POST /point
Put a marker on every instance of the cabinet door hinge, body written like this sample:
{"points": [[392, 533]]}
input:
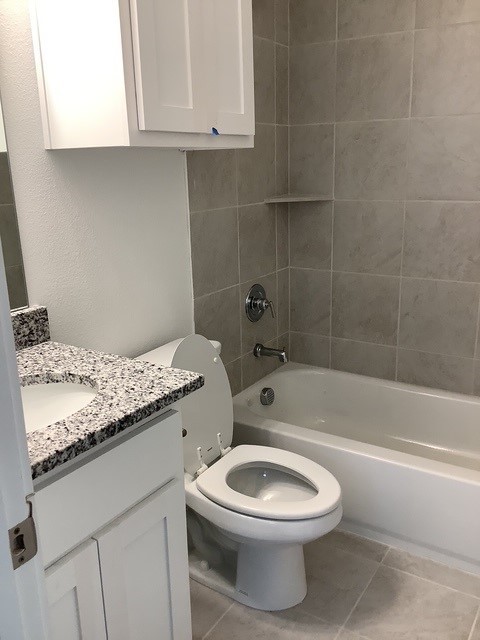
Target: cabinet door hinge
{"points": [[23, 540]]}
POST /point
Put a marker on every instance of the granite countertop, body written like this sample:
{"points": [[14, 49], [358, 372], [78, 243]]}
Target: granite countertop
{"points": [[128, 391]]}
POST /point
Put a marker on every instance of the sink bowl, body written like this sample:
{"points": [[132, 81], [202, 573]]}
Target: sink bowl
{"points": [[44, 404]]}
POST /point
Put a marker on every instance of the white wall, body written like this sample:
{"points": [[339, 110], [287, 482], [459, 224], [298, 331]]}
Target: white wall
{"points": [[104, 231]]}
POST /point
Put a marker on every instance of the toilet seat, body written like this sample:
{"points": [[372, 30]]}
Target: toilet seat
{"points": [[212, 483]]}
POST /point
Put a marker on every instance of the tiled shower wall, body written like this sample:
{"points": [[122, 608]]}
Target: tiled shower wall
{"points": [[237, 240], [385, 118], [10, 238]]}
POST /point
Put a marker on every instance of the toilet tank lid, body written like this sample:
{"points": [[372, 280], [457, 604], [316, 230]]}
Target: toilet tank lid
{"points": [[209, 411]]}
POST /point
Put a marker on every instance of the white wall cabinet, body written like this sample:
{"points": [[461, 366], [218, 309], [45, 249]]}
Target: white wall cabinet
{"points": [[160, 73], [113, 534]]}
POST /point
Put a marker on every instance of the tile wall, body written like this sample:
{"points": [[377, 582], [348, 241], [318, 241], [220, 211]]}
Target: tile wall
{"points": [[385, 117], [10, 238], [237, 240]]}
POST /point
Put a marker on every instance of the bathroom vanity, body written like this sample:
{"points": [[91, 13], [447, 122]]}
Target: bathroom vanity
{"points": [[109, 504]]}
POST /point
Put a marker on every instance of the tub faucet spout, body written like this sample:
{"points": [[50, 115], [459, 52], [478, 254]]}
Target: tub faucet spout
{"points": [[259, 351]]}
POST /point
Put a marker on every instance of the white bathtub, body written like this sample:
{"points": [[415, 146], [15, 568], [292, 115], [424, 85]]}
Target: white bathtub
{"points": [[407, 458]]}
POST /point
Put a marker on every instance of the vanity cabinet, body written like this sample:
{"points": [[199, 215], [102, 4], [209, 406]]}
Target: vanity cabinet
{"points": [[155, 73], [123, 577]]}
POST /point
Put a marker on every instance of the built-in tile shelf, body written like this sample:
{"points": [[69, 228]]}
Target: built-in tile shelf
{"points": [[295, 197]]}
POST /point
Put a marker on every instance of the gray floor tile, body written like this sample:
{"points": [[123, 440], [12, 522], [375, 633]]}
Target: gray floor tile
{"points": [[398, 606], [476, 632], [345, 634], [434, 571], [352, 543], [207, 607], [242, 623], [336, 580]]}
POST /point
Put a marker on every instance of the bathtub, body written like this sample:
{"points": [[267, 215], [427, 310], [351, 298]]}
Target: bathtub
{"points": [[407, 458]]}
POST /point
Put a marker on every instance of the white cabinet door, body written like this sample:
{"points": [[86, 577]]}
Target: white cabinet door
{"points": [[168, 41], [230, 52], [144, 565], [74, 595]]}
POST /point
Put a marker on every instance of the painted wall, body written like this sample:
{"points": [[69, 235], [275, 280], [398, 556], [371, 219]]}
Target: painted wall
{"points": [[238, 240], [104, 232], [384, 118], [3, 142]]}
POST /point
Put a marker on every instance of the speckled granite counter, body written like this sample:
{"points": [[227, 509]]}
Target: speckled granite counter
{"points": [[128, 391]]}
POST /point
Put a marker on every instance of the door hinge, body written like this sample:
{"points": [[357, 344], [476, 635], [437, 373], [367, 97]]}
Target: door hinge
{"points": [[23, 540]]}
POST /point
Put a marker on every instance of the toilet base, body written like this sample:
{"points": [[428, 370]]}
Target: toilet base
{"points": [[270, 577]]}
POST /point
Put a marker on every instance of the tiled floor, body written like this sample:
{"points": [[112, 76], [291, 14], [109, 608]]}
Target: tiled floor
{"points": [[357, 590]]}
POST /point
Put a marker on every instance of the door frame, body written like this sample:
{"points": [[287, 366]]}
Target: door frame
{"points": [[23, 610]]}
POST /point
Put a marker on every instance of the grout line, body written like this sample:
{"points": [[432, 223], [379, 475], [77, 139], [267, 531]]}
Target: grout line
{"points": [[437, 584], [325, 123], [358, 600], [220, 618]]}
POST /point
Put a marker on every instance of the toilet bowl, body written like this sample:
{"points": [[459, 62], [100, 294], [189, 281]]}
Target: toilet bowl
{"points": [[251, 508]]}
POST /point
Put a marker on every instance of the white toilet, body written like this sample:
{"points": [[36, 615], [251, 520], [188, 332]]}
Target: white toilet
{"points": [[251, 508]]}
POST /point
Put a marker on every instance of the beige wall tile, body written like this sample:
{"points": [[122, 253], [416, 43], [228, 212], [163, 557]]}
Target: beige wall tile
{"points": [[211, 179], [446, 71], [438, 317], [310, 292], [444, 158], [257, 234], [371, 160], [281, 84], [312, 21], [373, 77], [264, 85], [263, 18], [435, 370], [281, 160], [364, 358], [283, 301], [256, 167], [6, 193], [311, 159], [311, 235], [9, 236], [312, 83], [281, 21], [234, 373], [213, 270], [365, 307], [442, 240], [282, 236], [307, 348], [217, 317], [17, 289], [358, 18], [367, 237], [437, 12]]}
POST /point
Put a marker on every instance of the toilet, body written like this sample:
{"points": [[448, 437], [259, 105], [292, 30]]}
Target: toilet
{"points": [[250, 509]]}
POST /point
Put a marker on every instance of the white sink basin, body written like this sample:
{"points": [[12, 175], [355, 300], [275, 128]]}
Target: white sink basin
{"points": [[44, 404]]}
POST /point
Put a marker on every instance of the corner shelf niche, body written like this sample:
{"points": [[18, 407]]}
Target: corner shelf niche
{"points": [[294, 197]]}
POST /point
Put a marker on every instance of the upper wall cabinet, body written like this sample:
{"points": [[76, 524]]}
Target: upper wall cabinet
{"points": [[145, 73]]}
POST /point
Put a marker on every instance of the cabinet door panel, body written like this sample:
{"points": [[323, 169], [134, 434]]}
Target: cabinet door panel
{"points": [[167, 44], [144, 564], [74, 595], [232, 50]]}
